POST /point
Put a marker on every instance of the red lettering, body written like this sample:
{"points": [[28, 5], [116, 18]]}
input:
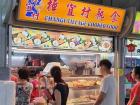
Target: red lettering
{"points": [[70, 9], [100, 14], [52, 5], [35, 16], [115, 16], [85, 12]]}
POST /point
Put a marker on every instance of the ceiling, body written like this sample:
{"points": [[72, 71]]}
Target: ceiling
{"points": [[117, 3]]}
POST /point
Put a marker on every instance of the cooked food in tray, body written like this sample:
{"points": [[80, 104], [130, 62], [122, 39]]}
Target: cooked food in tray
{"points": [[83, 83], [83, 100]]}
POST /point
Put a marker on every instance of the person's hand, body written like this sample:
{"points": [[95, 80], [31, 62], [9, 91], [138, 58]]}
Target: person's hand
{"points": [[52, 102], [39, 100], [31, 104], [128, 91], [92, 97]]}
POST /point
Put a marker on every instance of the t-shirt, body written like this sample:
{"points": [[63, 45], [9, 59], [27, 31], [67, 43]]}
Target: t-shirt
{"points": [[23, 93], [108, 87], [135, 91]]}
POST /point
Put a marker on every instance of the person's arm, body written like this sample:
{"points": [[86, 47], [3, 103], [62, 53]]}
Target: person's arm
{"points": [[135, 98], [57, 96], [130, 99], [31, 89], [133, 101], [100, 98], [129, 102], [103, 90]]}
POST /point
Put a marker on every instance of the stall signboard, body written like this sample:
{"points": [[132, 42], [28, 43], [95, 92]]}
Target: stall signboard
{"points": [[136, 28], [30, 38], [72, 13]]}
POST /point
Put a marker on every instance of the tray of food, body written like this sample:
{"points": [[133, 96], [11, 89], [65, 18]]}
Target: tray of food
{"points": [[83, 84], [82, 100]]}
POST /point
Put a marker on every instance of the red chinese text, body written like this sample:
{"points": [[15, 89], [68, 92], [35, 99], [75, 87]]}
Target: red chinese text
{"points": [[70, 9], [85, 12], [100, 14], [35, 16], [115, 16], [52, 5]]}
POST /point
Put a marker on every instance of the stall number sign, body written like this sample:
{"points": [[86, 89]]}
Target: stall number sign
{"points": [[72, 13]]}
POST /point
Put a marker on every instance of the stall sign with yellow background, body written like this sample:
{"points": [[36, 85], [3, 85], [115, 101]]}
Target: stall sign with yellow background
{"points": [[72, 13]]}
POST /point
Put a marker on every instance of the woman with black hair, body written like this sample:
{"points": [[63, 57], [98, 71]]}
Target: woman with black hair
{"points": [[23, 88], [61, 90], [135, 91]]}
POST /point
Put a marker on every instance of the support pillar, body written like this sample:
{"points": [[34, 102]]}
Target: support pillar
{"points": [[7, 88], [4, 73], [6, 7], [121, 65]]}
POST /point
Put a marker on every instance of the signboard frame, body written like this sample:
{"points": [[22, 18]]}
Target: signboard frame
{"points": [[76, 26]]}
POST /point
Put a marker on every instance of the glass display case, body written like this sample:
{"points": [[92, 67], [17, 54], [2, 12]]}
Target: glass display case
{"points": [[84, 79], [82, 90]]}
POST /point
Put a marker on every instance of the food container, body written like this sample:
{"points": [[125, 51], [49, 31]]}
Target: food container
{"points": [[36, 62]]}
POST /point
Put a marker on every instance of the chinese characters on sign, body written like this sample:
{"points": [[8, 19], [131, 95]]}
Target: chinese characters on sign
{"points": [[70, 9], [115, 16], [85, 12], [100, 14], [72, 13], [52, 5]]}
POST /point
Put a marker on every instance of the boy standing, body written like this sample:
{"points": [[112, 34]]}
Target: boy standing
{"points": [[107, 95]]}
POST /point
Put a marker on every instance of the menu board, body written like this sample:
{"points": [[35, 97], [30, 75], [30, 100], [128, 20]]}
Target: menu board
{"points": [[136, 28], [30, 38]]}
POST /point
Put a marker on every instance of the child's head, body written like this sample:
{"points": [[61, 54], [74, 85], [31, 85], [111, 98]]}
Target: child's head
{"points": [[23, 74], [105, 66], [136, 73]]}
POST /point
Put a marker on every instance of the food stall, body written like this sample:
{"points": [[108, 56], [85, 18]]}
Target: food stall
{"points": [[132, 53], [78, 61], [65, 33]]}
